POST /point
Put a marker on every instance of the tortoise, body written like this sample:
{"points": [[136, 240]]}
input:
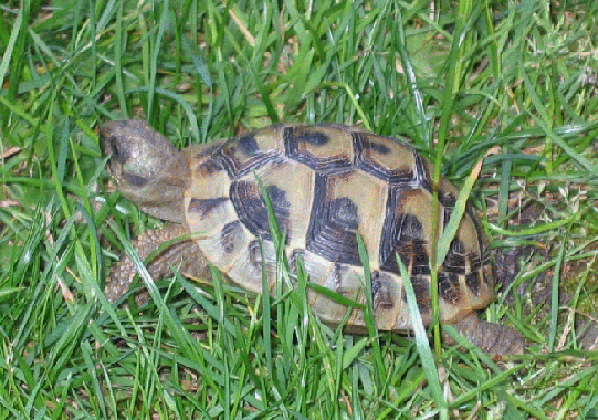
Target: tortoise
{"points": [[328, 184]]}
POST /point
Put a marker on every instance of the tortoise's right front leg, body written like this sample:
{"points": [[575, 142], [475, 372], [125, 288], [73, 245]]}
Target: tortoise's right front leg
{"points": [[184, 254]]}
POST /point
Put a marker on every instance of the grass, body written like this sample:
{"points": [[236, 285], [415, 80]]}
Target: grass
{"points": [[515, 77]]}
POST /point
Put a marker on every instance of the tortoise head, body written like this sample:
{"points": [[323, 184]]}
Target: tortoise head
{"points": [[148, 170]]}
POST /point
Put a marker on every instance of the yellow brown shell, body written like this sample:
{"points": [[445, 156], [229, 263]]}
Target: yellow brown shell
{"points": [[329, 184]]}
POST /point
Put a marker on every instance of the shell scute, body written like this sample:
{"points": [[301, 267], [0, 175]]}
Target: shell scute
{"points": [[290, 190], [247, 198], [241, 155], [320, 147], [346, 203], [390, 160]]}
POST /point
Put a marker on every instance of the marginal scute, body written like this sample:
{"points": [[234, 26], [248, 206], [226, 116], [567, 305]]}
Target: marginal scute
{"points": [[403, 235], [261, 254], [449, 288], [228, 235], [296, 257], [455, 260], [389, 160], [384, 291]]}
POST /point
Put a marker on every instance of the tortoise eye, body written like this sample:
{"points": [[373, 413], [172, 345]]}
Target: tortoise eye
{"points": [[134, 180]]}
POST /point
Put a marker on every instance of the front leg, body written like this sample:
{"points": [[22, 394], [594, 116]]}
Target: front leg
{"points": [[184, 254]]}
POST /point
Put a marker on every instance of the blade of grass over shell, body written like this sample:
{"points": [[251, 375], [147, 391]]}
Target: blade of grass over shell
{"points": [[369, 315], [279, 241], [421, 340], [449, 232]]}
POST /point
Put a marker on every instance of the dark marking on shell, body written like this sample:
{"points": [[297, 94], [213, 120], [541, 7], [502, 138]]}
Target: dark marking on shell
{"points": [[379, 148], [448, 287], [474, 282], [234, 157], [298, 142], [421, 289], [402, 234], [248, 145], [247, 199], [454, 261], [447, 199], [344, 214], [278, 197], [208, 168], [206, 205], [315, 139], [333, 225], [228, 234], [365, 159], [255, 254]]}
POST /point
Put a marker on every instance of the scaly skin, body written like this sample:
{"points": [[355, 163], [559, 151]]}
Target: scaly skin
{"points": [[184, 255]]}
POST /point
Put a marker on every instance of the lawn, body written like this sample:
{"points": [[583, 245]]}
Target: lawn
{"points": [[515, 82]]}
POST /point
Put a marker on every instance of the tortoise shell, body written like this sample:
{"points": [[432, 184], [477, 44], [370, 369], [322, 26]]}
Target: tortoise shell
{"points": [[329, 184]]}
